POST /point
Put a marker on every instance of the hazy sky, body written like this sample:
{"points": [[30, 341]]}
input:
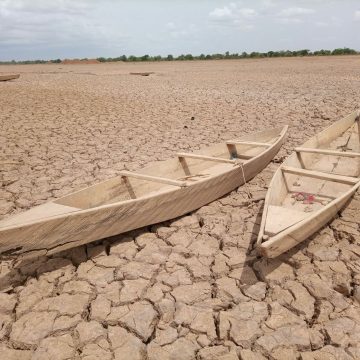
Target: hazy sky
{"points": [[31, 29]]}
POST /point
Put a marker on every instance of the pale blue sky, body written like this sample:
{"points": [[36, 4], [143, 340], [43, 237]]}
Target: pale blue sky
{"points": [[31, 29]]}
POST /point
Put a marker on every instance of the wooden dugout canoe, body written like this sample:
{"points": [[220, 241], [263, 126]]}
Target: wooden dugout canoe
{"points": [[158, 192], [311, 187], [9, 77]]}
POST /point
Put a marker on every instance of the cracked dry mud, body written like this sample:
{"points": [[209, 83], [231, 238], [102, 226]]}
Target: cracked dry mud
{"points": [[191, 288]]}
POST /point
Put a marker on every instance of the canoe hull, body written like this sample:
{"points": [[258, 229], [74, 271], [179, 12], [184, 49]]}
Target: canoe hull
{"points": [[272, 244], [9, 77], [64, 232]]}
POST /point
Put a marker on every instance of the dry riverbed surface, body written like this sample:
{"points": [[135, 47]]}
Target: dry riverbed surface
{"points": [[191, 288]]}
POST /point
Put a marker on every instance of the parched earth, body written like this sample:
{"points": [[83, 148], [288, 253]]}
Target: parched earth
{"points": [[194, 287]]}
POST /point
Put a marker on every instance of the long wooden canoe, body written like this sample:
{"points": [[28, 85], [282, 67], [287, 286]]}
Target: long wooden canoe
{"points": [[158, 192], [9, 77], [311, 187]]}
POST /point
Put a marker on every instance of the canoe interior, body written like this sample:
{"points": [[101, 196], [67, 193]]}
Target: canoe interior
{"points": [[119, 189], [287, 205]]}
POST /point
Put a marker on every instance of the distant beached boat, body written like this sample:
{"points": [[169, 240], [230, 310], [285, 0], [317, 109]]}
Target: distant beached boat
{"points": [[9, 77], [311, 187], [142, 73], [156, 193]]}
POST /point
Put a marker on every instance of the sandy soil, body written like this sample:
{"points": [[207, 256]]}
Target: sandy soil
{"points": [[192, 288]]}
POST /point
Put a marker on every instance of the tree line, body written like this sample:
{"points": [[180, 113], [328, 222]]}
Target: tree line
{"points": [[227, 55]]}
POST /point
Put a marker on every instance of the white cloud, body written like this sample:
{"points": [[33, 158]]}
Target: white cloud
{"points": [[357, 15], [234, 15], [56, 23], [170, 25], [293, 15], [295, 11], [221, 13], [232, 12]]}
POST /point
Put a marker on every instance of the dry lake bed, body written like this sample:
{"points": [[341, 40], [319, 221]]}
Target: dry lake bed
{"points": [[191, 288]]}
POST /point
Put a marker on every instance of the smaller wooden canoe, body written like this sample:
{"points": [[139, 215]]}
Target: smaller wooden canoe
{"points": [[9, 77], [311, 187]]}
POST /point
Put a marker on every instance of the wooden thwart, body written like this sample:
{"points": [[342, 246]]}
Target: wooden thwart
{"points": [[327, 152], [320, 175], [249, 143], [204, 157], [153, 178]]}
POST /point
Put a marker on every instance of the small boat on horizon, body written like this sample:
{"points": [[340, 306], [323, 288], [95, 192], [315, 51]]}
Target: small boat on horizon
{"points": [[147, 73], [161, 191], [311, 187], [9, 77]]}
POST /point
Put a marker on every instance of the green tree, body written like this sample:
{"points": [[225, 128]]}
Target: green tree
{"points": [[256, 55], [304, 52], [343, 51]]}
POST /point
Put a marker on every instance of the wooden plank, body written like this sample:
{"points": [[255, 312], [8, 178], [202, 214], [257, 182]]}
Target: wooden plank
{"points": [[327, 152], [153, 178], [280, 218], [204, 157], [249, 143], [320, 175]]}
